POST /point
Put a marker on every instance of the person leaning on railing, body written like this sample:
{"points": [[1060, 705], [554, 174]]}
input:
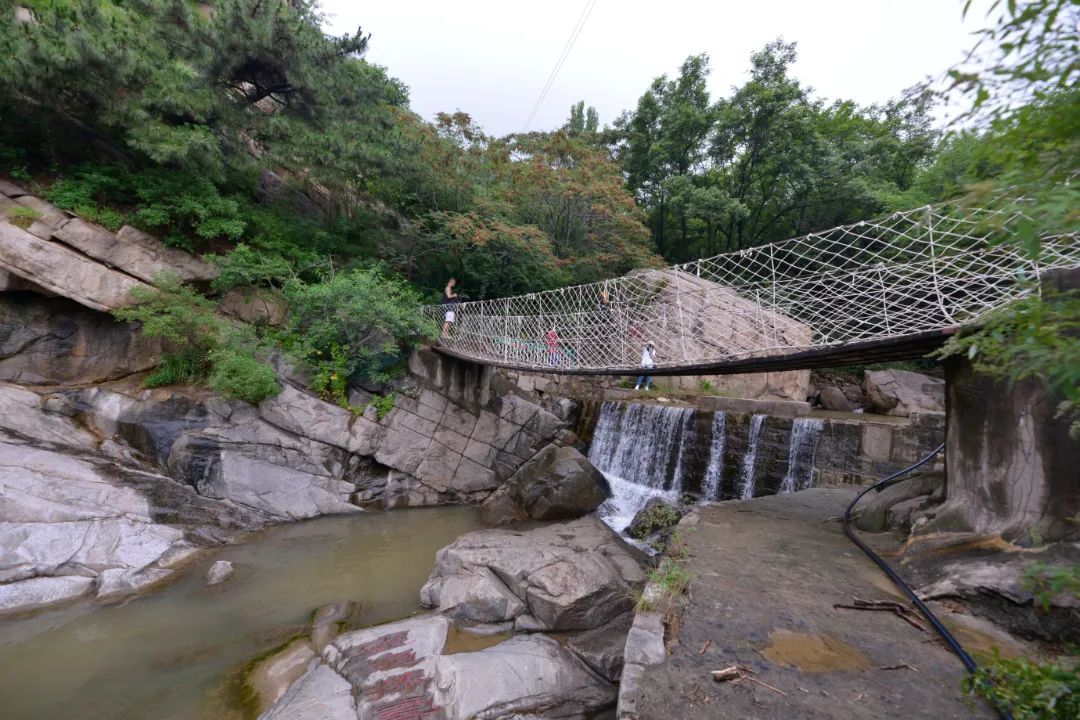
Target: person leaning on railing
{"points": [[450, 302]]}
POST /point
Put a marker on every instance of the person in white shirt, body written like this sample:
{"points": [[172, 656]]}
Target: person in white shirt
{"points": [[648, 360]]}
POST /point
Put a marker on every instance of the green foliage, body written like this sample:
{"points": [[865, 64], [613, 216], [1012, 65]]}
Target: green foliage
{"points": [[21, 216], [177, 314], [654, 519], [244, 266], [237, 374], [1047, 581], [666, 583], [1029, 690], [185, 209], [195, 86], [355, 324], [181, 208], [767, 163], [383, 404], [177, 368], [199, 344], [1037, 337]]}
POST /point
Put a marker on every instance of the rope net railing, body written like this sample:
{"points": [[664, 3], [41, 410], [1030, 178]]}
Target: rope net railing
{"points": [[920, 270]]}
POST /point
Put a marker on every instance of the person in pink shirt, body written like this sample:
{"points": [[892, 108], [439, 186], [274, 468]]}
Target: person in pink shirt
{"points": [[552, 339]]}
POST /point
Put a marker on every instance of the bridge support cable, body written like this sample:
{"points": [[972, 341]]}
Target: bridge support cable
{"points": [[883, 281]]}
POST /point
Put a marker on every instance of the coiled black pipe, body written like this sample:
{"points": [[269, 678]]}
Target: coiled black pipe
{"points": [[947, 636]]}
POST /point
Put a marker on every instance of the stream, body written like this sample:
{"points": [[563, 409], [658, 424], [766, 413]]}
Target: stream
{"points": [[165, 655]]}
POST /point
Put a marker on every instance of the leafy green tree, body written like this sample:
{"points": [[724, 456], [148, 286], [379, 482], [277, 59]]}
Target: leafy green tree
{"points": [[768, 162], [209, 87], [352, 326], [582, 120], [665, 137]]}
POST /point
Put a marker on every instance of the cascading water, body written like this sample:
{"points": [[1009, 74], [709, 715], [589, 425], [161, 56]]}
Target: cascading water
{"points": [[747, 486], [804, 439], [710, 487], [640, 449]]}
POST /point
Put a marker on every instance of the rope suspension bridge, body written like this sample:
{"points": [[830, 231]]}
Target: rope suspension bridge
{"points": [[887, 289]]}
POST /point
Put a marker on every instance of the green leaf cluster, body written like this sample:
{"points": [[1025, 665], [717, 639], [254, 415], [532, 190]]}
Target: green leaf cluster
{"points": [[768, 162], [353, 325], [199, 344], [1029, 690], [1038, 338]]}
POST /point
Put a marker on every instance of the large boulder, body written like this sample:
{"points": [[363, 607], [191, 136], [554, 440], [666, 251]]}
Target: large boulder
{"points": [[133, 251], [405, 670], [320, 694], [55, 341], [530, 675], [63, 271], [559, 483], [832, 398], [658, 516], [574, 576], [63, 516], [901, 392]]}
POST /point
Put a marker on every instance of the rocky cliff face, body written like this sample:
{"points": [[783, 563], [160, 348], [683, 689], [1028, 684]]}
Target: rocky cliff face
{"points": [[108, 487]]}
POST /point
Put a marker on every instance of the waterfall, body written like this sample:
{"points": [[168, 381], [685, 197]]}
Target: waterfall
{"points": [[803, 448], [640, 449], [710, 486], [747, 491]]}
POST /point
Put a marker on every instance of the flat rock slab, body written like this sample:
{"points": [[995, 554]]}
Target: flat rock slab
{"points": [[766, 574]]}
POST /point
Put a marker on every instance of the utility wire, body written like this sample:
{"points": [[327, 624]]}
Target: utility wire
{"points": [[578, 27]]}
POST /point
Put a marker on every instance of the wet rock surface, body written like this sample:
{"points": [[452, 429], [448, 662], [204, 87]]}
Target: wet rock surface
{"points": [[67, 529], [571, 576], [199, 469], [732, 617], [558, 483]]}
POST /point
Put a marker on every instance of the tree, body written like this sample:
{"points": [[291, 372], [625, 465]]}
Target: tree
{"points": [[210, 88], [767, 163], [665, 137], [582, 120]]}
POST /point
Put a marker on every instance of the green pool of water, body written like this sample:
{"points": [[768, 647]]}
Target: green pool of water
{"points": [[164, 656]]}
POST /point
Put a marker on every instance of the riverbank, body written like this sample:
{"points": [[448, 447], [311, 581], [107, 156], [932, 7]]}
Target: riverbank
{"points": [[166, 654], [766, 577]]}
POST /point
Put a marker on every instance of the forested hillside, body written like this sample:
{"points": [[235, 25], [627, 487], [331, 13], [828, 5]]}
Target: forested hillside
{"points": [[239, 129]]}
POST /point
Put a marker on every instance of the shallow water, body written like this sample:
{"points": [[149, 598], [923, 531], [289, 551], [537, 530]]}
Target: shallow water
{"points": [[162, 656]]}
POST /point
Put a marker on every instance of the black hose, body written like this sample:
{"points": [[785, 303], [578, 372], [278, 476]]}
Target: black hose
{"points": [[947, 636]]}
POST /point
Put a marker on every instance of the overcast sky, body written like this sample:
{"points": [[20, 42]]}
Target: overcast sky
{"points": [[492, 58]]}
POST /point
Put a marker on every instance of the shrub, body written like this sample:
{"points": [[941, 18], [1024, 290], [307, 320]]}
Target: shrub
{"points": [[236, 374], [177, 368], [1046, 581], [383, 404], [353, 325], [247, 266], [199, 343], [177, 314], [1029, 690]]}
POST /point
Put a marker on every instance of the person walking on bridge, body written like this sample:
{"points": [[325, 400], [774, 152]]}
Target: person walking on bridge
{"points": [[648, 360], [450, 302], [552, 339]]}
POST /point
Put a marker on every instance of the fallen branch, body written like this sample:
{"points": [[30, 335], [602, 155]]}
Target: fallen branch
{"points": [[901, 611], [735, 674], [704, 647], [899, 666]]}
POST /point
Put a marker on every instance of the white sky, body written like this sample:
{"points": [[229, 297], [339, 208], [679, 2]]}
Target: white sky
{"points": [[492, 58]]}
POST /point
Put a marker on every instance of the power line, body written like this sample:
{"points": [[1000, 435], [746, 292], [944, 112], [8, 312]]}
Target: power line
{"points": [[578, 27]]}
